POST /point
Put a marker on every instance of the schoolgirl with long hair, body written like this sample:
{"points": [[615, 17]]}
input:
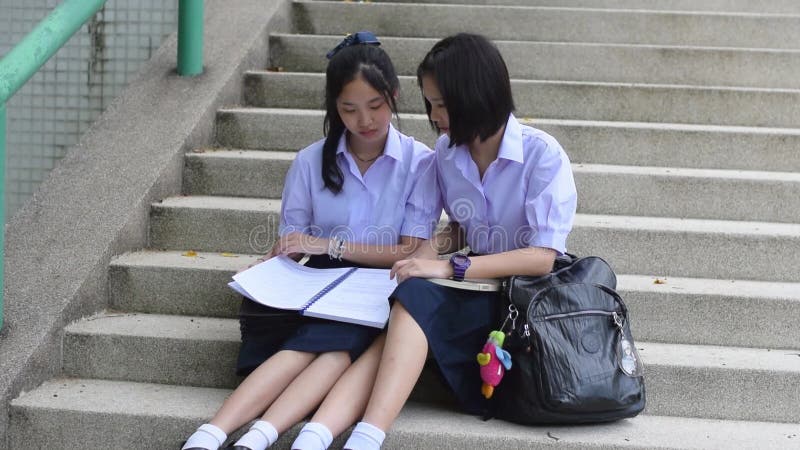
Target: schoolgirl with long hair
{"points": [[359, 197]]}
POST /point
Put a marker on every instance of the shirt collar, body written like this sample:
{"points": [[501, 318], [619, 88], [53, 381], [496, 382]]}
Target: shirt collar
{"points": [[392, 148], [510, 146]]}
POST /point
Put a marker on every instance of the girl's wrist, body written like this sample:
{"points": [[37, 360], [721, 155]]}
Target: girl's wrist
{"points": [[336, 246]]}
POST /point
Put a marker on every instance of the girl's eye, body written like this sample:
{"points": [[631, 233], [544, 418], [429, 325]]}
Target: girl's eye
{"points": [[349, 111]]}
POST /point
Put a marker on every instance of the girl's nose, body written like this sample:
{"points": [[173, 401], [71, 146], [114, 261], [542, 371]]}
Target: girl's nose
{"points": [[364, 119]]}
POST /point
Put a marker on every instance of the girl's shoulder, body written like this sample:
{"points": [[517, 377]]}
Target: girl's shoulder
{"points": [[538, 142], [411, 148], [311, 154]]}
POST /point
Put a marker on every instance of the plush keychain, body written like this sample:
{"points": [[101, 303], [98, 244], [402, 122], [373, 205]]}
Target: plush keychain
{"points": [[494, 362]]}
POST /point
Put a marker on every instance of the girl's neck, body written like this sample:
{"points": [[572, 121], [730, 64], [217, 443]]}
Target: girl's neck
{"points": [[365, 151], [484, 152]]}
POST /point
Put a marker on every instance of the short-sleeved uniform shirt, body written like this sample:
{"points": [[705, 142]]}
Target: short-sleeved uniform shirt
{"points": [[527, 196], [397, 196]]}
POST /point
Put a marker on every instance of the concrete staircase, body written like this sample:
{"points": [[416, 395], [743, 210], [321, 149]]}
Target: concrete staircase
{"points": [[683, 128]]}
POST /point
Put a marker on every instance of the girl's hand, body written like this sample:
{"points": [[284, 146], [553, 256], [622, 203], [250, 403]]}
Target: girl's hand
{"points": [[258, 261], [297, 242], [424, 251], [420, 268]]}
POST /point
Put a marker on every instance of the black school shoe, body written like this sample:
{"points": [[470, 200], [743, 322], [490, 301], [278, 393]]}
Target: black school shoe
{"points": [[192, 448], [237, 447]]}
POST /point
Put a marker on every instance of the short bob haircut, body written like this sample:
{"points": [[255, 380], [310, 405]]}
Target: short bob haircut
{"points": [[475, 86], [374, 66]]}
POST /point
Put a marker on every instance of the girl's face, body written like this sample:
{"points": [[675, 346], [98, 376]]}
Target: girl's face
{"points": [[364, 111], [430, 90]]}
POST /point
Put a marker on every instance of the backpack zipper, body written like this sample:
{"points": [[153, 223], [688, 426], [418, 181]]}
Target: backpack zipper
{"points": [[587, 312]]}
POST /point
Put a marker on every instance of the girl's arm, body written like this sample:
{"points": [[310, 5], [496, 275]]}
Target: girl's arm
{"points": [[381, 255], [522, 261], [368, 255]]}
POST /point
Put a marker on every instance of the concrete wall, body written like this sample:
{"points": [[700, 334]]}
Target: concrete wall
{"points": [[96, 202]]}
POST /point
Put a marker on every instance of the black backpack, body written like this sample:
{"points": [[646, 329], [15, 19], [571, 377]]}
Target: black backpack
{"points": [[572, 352]]}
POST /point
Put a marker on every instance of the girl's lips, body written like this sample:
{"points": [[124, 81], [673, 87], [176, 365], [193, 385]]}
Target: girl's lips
{"points": [[369, 133]]}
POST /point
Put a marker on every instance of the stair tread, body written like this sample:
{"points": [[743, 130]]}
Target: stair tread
{"points": [[670, 172], [390, 38], [667, 224], [202, 328], [627, 282], [417, 420], [545, 121]]}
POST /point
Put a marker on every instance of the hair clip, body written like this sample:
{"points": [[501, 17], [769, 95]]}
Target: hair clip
{"points": [[361, 37]]}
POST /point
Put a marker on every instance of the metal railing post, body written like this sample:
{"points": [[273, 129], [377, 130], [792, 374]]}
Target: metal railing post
{"points": [[190, 37], [2, 202]]}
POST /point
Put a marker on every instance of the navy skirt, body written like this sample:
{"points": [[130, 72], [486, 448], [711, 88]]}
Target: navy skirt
{"points": [[266, 331], [456, 323]]}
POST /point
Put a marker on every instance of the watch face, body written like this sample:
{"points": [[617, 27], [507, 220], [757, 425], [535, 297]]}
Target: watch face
{"points": [[460, 259]]}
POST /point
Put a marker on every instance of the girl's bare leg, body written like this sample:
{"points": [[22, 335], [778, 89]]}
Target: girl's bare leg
{"points": [[307, 390], [404, 355], [261, 388], [346, 402]]}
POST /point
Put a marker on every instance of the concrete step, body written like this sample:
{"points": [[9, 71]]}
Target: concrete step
{"points": [[643, 245], [688, 193], [604, 189], [551, 24], [691, 247], [245, 173], [678, 310], [572, 100], [125, 415], [772, 6], [177, 282], [569, 61], [682, 380], [717, 312], [224, 224], [167, 349], [595, 142]]}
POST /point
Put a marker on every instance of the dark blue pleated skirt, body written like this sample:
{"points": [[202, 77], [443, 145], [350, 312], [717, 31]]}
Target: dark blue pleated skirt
{"points": [[456, 323], [266, 330]]}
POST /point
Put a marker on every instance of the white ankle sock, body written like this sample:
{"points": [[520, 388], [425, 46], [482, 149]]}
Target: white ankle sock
{"points": [[207, 436], [261, 435], [365, 437], [313, 436]]}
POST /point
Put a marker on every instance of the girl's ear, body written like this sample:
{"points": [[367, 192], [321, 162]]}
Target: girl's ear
{"points": [[395, 94]]}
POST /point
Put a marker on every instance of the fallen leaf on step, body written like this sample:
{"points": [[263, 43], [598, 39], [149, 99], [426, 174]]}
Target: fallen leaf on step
{"points": [[660, 281], [190, 253], [275, 69], [229, 255]]}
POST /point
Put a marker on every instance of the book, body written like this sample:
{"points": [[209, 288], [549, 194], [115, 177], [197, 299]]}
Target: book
{"points": [[351, 294], [470, 284]]}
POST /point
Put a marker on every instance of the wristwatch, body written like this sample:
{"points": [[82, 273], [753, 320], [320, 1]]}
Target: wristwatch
{"points": [[460, 263]]}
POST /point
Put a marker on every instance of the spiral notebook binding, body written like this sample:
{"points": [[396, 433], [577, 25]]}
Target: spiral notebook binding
{"points": [[326, 289]]}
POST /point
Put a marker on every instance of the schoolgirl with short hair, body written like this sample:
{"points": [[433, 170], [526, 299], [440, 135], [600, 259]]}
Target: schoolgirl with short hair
{"points": [[359, 197], [510, 196]]}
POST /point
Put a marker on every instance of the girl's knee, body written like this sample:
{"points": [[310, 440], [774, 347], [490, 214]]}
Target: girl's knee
{"points": [[339, 359]]}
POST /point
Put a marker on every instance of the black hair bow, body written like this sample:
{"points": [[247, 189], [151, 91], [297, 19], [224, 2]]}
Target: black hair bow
{"points": [[361, 37]]}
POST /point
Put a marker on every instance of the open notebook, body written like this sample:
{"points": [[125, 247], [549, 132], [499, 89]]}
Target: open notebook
{"points": [[354, 295]]}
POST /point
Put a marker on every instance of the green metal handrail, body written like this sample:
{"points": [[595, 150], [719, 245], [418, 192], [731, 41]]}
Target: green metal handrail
{"points": [[27, 57]]}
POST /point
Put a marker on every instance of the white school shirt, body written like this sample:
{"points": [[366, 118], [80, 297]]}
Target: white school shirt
{"points": [[526, 198], [397, 196]]}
